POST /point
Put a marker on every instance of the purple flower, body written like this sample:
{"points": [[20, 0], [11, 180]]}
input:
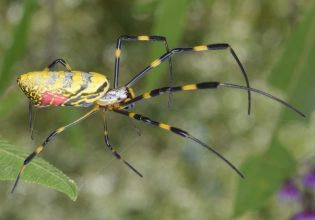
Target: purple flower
{"points": [[305, 215], [309, 179], [289, 192]]}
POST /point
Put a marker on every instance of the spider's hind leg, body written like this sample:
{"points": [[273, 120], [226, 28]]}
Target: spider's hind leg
{"points": [[58, 61], [49, 138]]}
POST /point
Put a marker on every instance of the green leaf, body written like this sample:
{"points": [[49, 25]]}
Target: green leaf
{"points": [[14, 53], [294, 74], [170, 22], [38, 171], [264, 175]]}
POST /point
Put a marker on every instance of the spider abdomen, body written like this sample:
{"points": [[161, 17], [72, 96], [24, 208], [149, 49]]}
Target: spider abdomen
{"points": [[63, 88]]}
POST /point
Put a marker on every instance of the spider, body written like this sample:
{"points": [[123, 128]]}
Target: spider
{"points": [[90, 89]]}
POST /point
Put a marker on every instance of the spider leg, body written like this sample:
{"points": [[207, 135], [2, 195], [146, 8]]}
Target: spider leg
{"points": [[138, 38], [31, 119], [206, 85], [50, 137], [179, 132], [209, 47], [113, 150], [58, 61], [142, 38]]}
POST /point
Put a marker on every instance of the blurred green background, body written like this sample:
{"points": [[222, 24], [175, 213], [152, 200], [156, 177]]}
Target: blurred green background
{"points": [[275, 41]]}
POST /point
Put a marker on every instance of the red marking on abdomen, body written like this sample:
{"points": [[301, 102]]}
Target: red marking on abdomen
{"points": [[52, 99]]}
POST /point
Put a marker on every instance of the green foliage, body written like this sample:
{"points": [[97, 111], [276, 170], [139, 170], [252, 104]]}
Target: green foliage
{"points": [[295, 75], [295, 72], [38, 171], [17, 48], [264, 175]]}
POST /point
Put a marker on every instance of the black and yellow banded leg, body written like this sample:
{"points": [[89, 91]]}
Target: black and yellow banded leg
{"points": [[179, 132], [50, 137], [138, 38], [205, 85], [113, 150], [165, 90], [58, 61], [209, 47]]}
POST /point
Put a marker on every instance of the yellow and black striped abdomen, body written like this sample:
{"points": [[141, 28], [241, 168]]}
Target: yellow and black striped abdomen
{"points": [[61, 88]]}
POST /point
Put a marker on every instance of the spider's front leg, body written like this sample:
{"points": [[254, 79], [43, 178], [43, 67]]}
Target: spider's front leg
{"points": [[141, 38], [209, 47]]}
